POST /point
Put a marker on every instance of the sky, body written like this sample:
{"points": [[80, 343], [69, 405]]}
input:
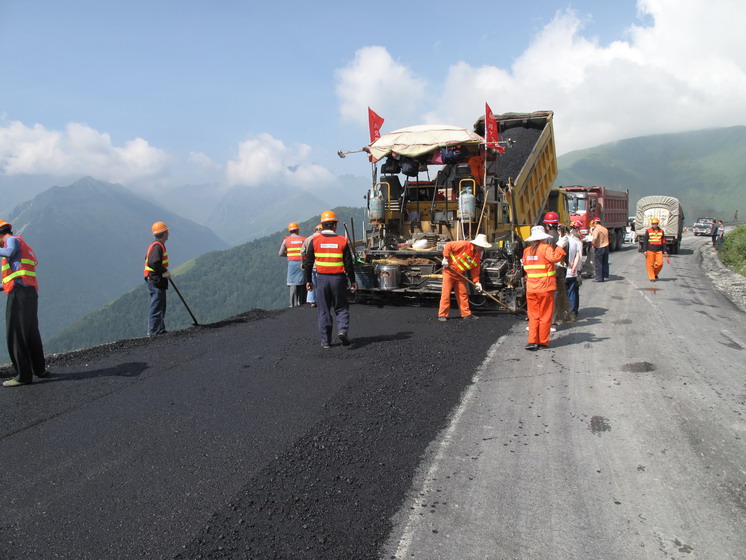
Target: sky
{"points": [[157, 94]]}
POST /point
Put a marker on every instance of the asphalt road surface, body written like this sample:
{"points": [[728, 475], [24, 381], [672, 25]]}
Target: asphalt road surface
{"points": [[420, 440]]}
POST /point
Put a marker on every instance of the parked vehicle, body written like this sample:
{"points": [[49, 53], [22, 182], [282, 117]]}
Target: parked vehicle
{"points": [[670, 214], [612, 207], [702, 226]]}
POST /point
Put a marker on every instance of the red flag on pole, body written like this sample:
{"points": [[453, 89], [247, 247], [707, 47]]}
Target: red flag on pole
{"points": [[374, 124], [490, 130]]}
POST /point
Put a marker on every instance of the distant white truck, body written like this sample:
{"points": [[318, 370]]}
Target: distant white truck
{"points": [[670, 216]]}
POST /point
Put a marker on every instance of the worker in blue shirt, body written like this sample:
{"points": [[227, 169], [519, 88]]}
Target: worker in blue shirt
{"points": [[21, 320]]}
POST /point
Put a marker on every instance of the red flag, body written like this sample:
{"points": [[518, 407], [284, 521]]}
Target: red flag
{"points": [[490, 130], [374, 124]]}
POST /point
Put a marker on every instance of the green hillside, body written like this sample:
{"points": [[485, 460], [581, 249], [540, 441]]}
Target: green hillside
{"points": [[216, 286], [706, 169]]}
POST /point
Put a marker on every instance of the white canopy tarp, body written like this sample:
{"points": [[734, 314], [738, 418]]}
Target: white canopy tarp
{"points": [[421, 139]]}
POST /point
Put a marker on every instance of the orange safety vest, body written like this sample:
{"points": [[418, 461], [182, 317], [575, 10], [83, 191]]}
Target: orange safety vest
{"points": [[463, 256], [293, 244], [26, 271], [164, 262], [329, 254], [655, 237], [539, 267]]}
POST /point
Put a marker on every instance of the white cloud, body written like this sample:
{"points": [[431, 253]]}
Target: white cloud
{"points": [[77, 150], [374, 79], [265, 159], [686, 70]]}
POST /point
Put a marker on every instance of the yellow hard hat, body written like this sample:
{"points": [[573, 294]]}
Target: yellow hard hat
{"points": [[319, 227], [159, 227], [292, 226], [654, 221], [328, 216]]}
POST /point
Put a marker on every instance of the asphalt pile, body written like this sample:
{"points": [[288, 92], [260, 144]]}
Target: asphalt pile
{"points": [[251, 476], [333, 492]]}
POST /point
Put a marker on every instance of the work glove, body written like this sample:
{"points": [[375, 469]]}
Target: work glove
{"points": [[166, 275], [478, 286], [563, 242], [445, 262]]}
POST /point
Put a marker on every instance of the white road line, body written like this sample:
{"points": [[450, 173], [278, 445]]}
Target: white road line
{"points": [[405, 541]]}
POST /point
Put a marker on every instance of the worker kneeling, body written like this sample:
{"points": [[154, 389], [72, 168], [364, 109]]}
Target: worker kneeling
{"points": [[459, 259], [538, 262]]}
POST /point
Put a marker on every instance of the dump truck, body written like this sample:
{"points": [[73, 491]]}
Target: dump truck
{"points": [[610, 206], [434, 183], [670, 214]]}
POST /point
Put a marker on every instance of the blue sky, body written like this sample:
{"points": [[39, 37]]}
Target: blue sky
{"points": [[157, 93]]}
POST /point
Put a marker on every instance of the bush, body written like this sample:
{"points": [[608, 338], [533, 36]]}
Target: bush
{"points": [[733, 253]]}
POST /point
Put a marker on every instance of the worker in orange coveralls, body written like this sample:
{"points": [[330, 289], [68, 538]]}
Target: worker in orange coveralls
{"points": [[461, 258], [654, 247], [538, 262]]}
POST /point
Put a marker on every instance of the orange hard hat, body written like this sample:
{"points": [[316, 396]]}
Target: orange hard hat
{"points": [[328, 216], [4, 224], [551, 218], [654, 221], [292, 226], [159, 227]]}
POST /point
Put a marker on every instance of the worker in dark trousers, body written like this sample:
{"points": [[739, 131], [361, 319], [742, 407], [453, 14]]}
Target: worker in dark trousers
{"points": [[334, 269], [600, 242], [156, 276], [21, 319]]}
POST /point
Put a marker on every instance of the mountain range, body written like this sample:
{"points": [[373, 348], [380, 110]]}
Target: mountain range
{"points": [[215, 286], [705, 170], [90, 238]]}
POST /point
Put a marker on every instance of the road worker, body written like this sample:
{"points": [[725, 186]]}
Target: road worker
{"points": [[21, 312], [600, 243], [461, 258], [156, 277], [310, 296], [290, 248], [654, 248], [538, 262], [561, 312], [574, 266], [335, 270]]}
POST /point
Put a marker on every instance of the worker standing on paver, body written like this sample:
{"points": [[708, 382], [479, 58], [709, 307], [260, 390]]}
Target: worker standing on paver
{"points": [[600, 243], [290, 248], [538, 262], [654, 248], [335, 268], [459, 259], [156, 277], [310, 296], [21, 311]]}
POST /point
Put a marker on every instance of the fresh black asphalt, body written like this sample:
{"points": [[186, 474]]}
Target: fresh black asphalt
{"points": [[243, 439]]}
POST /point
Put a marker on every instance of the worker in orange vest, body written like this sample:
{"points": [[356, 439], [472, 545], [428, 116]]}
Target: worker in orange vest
{"points": [[461, 258], [21, 317], [290, 248], [156, 276], [538, 263], [335, 270], [654, 248]]}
